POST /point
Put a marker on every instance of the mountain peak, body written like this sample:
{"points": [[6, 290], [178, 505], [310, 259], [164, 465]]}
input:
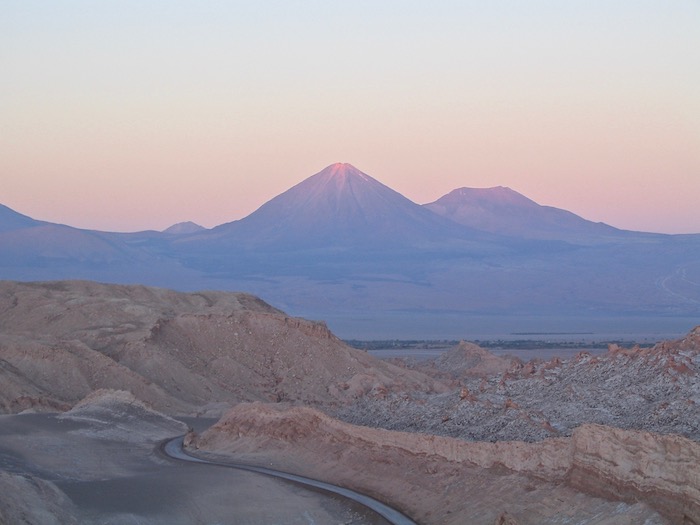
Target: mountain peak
{"points": [[342, 171], [504, 211], [184, 228], [341, 205], [497, 195], [342, 167]]}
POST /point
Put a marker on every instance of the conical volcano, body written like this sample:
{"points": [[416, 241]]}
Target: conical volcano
{"points": [[340, 206]]}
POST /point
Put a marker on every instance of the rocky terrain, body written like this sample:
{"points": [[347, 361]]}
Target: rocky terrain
{"points": [[537, 442], [181, 353], [654, 389], [469, 437], [469, 360], [117, 415]]}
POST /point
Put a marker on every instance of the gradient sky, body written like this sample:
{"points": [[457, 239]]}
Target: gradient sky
{"points": [[125, 115]]}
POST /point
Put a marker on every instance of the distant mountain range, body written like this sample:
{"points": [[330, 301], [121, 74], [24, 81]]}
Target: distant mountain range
{"points": [[342, 246]]}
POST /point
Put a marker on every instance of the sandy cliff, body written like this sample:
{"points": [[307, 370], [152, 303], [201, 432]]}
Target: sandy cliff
{"points": [[662, 470], [600, 475]]}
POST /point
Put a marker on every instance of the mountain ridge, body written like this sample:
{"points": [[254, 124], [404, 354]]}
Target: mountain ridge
{"points": [[12, 220], [345, 177], [344, 247]]}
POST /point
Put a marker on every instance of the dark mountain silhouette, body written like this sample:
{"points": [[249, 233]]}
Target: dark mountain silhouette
{"points": [[507, 212]]}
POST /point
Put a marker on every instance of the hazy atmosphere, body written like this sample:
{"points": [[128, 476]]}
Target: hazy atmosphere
{"points": [[126, 116], [370, 263]]}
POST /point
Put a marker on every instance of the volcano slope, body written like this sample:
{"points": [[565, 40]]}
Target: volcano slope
{"points": [[182, 353]]}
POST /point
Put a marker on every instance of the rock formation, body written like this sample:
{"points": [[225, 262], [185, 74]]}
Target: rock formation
{"points": [[655, 389], [470, 360], [181, 353]]}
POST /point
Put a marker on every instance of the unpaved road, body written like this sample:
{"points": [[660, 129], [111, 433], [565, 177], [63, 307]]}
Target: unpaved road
{"points": [[174, 449], [116, 482]]}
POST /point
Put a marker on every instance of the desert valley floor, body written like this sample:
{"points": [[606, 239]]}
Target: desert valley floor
{"points": [[94, 377]]}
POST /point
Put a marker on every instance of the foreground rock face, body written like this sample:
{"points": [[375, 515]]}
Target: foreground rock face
{"points": [[663, 471], [444, 480], [181, 353]]}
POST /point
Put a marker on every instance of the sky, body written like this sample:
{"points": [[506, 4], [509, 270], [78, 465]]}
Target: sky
{"points": [[128, 115]]}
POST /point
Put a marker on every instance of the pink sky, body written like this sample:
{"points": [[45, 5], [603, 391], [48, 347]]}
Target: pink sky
{"points": [[124, 117]]}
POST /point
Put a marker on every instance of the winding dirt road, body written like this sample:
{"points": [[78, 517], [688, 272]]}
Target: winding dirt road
{"points": [[173, 449]]}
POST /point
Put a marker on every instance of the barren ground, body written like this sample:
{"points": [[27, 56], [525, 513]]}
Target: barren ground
{"points": [[468, 438], [104, 469]]}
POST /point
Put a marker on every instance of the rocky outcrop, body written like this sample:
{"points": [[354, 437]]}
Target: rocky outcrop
{"points": [[656, 389], [546, 481], [301, 424], [312, 328], [118, 415], [470, 360]]}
